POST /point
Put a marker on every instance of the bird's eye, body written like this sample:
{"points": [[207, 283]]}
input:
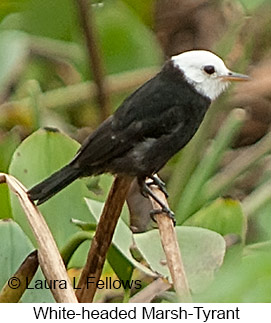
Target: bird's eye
{"points": [[209, 69]]}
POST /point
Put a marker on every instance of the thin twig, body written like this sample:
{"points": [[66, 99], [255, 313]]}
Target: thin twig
{"points": [[94, 54], [49, 258], [24, 275], [55, 49], [102, 239], [172, 251], [147, 294], [139, 207]]}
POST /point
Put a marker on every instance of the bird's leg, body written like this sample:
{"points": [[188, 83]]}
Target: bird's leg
{"points": [[146, 192], [158, 182], [166, 210]]}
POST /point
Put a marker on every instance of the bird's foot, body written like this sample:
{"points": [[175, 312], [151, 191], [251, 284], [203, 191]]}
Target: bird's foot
{"points": [[147, 192], [165, 210], [158, 182], [144, 190]]}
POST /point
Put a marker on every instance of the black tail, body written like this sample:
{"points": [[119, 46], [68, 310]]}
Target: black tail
{"points": [[53, 184]]}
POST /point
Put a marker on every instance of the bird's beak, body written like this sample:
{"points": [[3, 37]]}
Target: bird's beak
{"points": [[236, 77]]}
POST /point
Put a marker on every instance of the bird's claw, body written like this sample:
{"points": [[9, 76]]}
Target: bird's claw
{"points": [[147, 192], [165, 210], [144, 192], [158, 182]]}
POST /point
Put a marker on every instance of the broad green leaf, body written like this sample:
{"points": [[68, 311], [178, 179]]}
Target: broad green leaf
{"points": [[14, 249], [224, 216], [119, 255], [40, 155], [202, 252]]}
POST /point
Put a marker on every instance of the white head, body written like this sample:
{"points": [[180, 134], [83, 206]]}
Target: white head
{"points": [[206, 72]]}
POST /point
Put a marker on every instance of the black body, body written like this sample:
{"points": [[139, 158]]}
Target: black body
{"points": [[150, 126]]}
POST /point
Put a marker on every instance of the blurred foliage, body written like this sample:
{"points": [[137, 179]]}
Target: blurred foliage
{"points": [[8, 144], [13, 251], [245, 281], [250, 5], [202, 252], [7, 7], [43, 55], [224, 216], [127, 43], [56, 150]]}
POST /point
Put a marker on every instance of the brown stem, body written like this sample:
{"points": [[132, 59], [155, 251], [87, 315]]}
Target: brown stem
{"points": [[172, 251], [94, 53], [102, 239], [50, 260], [139, 207], [147, 294], [24, 275]]}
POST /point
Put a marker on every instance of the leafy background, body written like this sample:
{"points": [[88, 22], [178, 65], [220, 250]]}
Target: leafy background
{"points": [[219, 185]]}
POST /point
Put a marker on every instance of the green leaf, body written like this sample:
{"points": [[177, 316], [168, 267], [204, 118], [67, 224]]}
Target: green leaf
{"points": [[68, 251], [261, 222], [144, 9], [5, 209], [99, 186], [192, 198], [202, 252], [127, 43], [14, 248], [85, 226], [33, 295], [7, 146], [24, 275], [119, 255], [79, 257], [54, 19], [36, 158], [248, 281], [7, 7], [255, 248], [224, 216], [13, 52]]}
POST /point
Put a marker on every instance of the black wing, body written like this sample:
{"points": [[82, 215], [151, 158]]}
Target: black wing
{"points": [[154, 110]]}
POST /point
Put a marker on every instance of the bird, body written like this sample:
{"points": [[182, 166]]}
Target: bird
{"points": [[149, 127]]}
